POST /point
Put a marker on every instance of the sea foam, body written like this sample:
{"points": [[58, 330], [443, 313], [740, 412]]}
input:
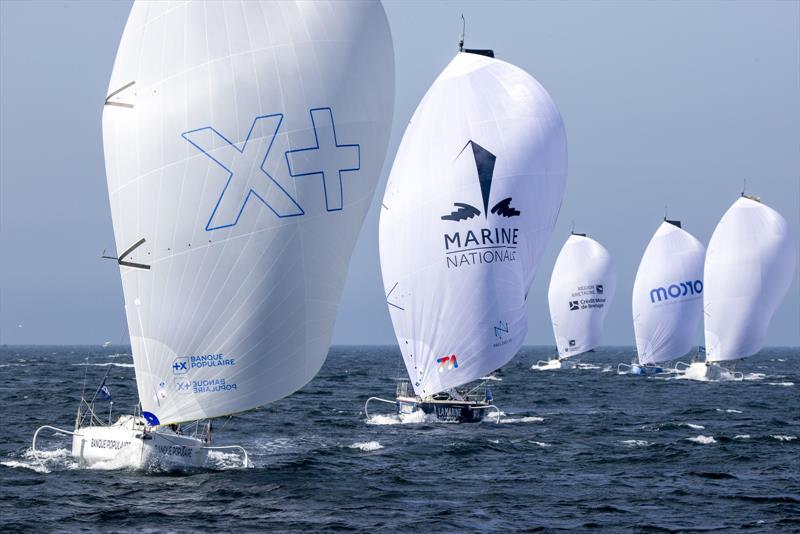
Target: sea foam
{"points": [[703, 440]]}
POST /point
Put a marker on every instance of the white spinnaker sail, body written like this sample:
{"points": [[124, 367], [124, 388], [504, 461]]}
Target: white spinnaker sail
{"points": [[668, 295], [472, 198], [748, 270], [243, 142], [582, 288]]}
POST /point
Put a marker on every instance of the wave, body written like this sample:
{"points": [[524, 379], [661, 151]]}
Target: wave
{"points": [[540, 444], [526, 419], [741, 436], [703, 440], [366, 446], [221, 461], [636, 443], [713, 475], [728, 410], [125, 459], [277, 444], [783, 437], [787, 384], [656, 427], [400, 419], [43, 461], [754, 376]]}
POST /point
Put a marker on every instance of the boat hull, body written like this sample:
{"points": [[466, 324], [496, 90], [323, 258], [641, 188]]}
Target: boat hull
{"points": [[449, 411], [124, 446], [710, 372], [637, 369]]}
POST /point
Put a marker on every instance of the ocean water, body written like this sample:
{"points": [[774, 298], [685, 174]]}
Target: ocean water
{"points": [[584, 448]]}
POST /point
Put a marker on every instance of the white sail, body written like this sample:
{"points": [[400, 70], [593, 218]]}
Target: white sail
{"points": [[582, 288], [668, 295], [748, 270], [243, 142], [471, 201]]}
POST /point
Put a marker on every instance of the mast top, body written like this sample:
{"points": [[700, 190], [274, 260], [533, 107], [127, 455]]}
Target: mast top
{"points": [[479, 51]]}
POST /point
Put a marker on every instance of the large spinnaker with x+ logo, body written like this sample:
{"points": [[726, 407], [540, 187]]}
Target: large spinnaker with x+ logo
{"points": [[470, 205], [243, 142]]}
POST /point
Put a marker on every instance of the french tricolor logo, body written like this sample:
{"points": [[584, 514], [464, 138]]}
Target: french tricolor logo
{"points": [[447, 362]]}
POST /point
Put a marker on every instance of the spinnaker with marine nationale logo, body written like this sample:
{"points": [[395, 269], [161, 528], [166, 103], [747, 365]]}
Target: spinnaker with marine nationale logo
{"points": [[471, 201]]}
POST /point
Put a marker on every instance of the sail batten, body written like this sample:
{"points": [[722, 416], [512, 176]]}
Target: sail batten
{"points": [[470, 204], [582, 288], [245, 176], [667, 301], [748, 270]]}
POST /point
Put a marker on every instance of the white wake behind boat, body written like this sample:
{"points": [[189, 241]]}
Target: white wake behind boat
{"points": [[469, 207], [554, 364], [241, 158], [582, 287], [667, 299], [749, 267]]}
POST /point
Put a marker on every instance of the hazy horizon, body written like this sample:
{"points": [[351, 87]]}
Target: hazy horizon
{"points": [[665, 104]]}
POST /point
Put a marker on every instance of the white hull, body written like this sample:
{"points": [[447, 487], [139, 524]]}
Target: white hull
{"points": [[129, 444], [643, 369], [125, 444], [710, 372]]}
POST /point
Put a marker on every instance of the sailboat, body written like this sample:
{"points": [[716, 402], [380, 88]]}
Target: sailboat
{"points": [[243, 143], [469, 207], [582, 288], [749, 267], [667, 298]]}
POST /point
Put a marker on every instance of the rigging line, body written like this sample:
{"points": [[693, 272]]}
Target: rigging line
{"points": [[225, 423], [103, 383], [85, 372]]}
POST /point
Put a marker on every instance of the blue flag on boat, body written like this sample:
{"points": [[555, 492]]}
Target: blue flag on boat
{"points": [[103, 393]]}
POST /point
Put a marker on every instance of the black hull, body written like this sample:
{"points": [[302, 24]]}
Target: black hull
{"points": [[453, 412]]}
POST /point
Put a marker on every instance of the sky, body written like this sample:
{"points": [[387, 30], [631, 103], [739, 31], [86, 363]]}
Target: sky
{"points": [[665, 104]]}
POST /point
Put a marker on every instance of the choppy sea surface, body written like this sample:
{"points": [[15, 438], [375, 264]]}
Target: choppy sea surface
{"points": [[583, 448]]}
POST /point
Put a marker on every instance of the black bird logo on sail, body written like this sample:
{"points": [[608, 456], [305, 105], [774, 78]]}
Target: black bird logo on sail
{"points": [[464, 211], [504, 209], [484, 163]]}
